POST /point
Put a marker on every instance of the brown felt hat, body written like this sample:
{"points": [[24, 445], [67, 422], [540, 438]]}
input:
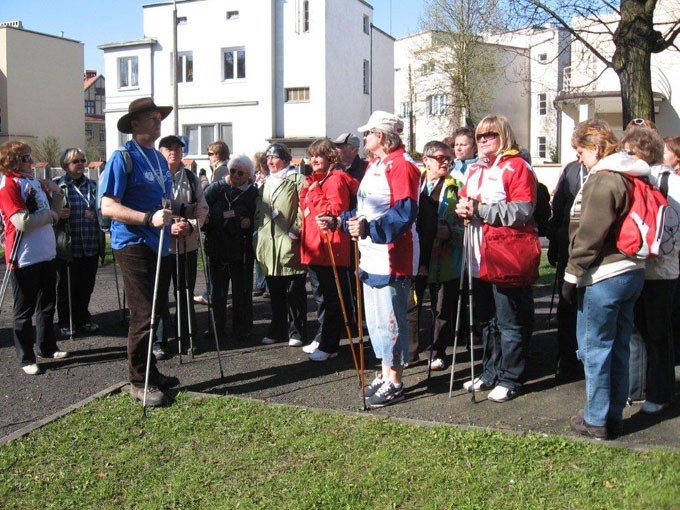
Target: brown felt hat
{"points": [[141, 105]]}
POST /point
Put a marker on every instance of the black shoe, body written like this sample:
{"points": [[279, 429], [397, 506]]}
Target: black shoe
{"points": [[159, 352], [578, 424], [165, 382], [88, 328], [154, 396]]}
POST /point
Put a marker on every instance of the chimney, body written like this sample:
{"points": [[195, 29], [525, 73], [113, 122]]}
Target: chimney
{"points": [[13, 24], [89, 73]]}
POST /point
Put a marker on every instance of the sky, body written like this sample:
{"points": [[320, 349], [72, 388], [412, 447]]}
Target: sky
{"points": [[95, 22]]}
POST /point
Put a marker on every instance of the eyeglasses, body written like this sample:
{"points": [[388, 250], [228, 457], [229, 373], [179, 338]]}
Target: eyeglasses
{"points": [[371, 131], [80, 160], [240, 173], [489, 135], [639, 122], [440, 158], [26, 158], [211, 153]]}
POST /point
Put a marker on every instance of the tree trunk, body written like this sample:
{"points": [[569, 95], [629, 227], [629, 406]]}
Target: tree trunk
{"points": [[634, 39]]}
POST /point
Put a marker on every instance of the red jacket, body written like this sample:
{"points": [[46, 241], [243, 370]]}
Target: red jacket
{"points": [[325, 194]]}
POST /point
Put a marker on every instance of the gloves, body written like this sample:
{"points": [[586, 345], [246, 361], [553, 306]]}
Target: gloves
{"points": [[201, 172], [569, 292], [31, 202]]}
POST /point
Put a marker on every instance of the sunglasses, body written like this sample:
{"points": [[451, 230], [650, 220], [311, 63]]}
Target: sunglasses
{"points": [[441, 158], [639, 122], [211, 153], [240, 173], [81, 160], [26, 158], [489, 135]]}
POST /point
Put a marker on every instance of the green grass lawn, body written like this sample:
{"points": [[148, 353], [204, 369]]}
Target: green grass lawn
{"points": [[227, 453]]}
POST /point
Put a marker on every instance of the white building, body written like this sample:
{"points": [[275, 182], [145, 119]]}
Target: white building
{"points": [[529, 64], [41, 88], [253, 72]]}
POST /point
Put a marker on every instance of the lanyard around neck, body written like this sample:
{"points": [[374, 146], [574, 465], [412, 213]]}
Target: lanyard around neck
{"points": [[157, 173]]}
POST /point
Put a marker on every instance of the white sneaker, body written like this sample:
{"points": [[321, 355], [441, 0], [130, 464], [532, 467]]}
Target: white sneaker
{"points": [[310, 348], [319, 355], [295, 342], [33, 369], [479, 385], [268, 341], [60, 354], [649, 407], [437, 364], [501, 394]]}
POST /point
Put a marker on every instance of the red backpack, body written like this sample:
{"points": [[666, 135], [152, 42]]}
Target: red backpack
{"points": [[642, 229]]}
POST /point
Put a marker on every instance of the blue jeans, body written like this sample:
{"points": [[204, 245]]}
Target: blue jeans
{"points": [[505, 336], [604, 325], [386, 321]]}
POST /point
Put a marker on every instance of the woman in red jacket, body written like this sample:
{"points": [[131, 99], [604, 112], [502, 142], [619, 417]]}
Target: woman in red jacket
{"points": [[326, 193]]}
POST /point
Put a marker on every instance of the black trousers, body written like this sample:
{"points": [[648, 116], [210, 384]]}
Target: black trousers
{"points": [[83, 277], [34, 291], [289, 307], [333, 325], [240, 274], [138, 266]]}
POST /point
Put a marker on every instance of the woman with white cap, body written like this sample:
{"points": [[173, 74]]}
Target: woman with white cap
{"points": [[384, 222]]}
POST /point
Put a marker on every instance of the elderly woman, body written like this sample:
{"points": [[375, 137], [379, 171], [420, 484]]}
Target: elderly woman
{"points": [[387, 207], [29, 213], [500, 191], [278, 248], [232, 202], [654, 309], [78, 220], [327, 192], [606, 282], [218, 155]]}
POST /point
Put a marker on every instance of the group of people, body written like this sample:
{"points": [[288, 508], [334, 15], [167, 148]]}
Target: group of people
{"points": [[393, 228]]}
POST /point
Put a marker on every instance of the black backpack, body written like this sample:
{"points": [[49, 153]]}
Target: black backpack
{"points": [[542, 210]]}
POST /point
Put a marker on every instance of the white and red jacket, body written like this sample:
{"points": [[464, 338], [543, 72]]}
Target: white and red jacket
{"points": [[388, 199], [37, 244], [505, 189]]}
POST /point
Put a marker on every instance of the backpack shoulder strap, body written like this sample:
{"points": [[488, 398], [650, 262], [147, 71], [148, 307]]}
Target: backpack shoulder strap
{"points": [[192, 183], [127, 159], [663, 183]]}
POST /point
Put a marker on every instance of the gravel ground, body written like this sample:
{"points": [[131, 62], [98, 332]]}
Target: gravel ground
{"points": [[282, 374]]}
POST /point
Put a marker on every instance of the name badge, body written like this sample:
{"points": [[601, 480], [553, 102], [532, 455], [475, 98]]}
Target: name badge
{"points": [[229, 214], [275, 213]]}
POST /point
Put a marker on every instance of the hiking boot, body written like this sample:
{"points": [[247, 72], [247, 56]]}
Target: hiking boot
{"points": [[578, 424], [374, 386], [319, 355], [32, 369], [501, 394], [387, 394], [154, 396], [159, 352], [479, 385], [310, 348], [165, 382]]}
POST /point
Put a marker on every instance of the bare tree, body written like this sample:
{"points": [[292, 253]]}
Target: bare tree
{"points": [[465, 65], [48, 150], [628, 25]]}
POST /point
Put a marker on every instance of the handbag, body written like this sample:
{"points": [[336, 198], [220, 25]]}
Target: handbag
{"points": [[509, 256], [63, 239]]}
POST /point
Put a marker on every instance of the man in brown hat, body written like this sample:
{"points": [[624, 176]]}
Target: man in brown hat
{"points": [[136, 189]]}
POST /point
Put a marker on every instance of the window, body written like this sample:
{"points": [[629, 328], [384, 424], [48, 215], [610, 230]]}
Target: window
{"points": [[302, 16], [234, 61], [102, 135], [367, 77], [427, 68], [405, 109], [185, 67], [99, 91], [542, 143], [89, 107], [232, 15], [305, 16], [542, 104], [127, 72], [436, 105], [202, 135], [182, 20], [88, 134], [367, 24], [297, 95], [542, 57]]}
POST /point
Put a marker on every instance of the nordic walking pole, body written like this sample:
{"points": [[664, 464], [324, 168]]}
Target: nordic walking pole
{"points": [[115, 276], [188, 302], [552, 297], [211, 312], [10, 265], [153, 316], [360, 326], [329, 247], [178, 294], [459, 306], [434, 312], [70, 301], [470, 318]]}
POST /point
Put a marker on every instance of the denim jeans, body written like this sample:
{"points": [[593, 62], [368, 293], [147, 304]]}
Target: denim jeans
{"points": [[604, 325], [505, 336], [386, 321]]}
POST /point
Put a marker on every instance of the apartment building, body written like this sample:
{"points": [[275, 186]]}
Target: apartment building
{"points": [[40, 86], [94, 90], [253, 72]]}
